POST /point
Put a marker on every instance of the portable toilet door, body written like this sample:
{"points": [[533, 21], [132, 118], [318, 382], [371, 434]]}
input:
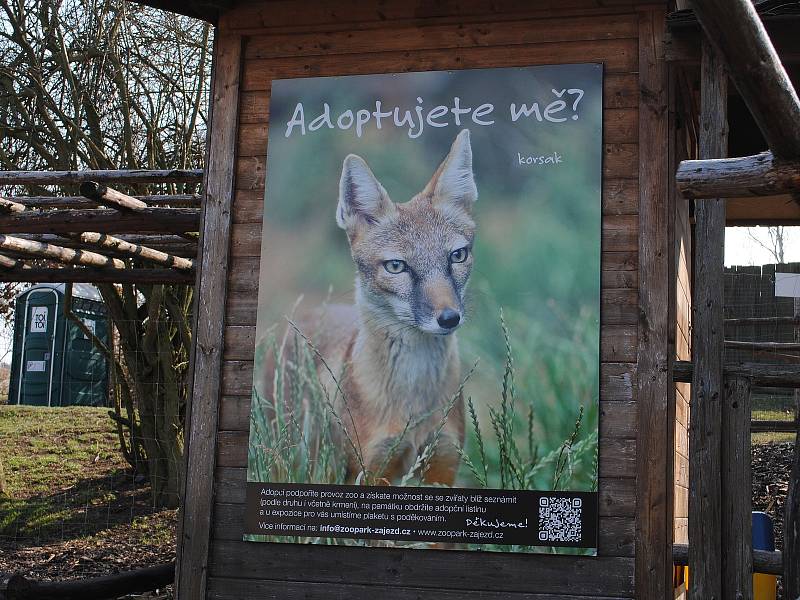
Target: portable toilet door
{"points": [[84, 378], [38, 366]]}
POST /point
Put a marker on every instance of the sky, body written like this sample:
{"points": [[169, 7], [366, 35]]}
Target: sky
{"points": [[748, 246]]}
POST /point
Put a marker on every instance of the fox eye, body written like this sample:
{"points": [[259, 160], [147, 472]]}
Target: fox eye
{"points": [[395, 266], [460, 255]]}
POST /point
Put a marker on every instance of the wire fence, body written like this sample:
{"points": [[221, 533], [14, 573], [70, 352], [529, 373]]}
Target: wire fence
{"points": [[81, 475]]}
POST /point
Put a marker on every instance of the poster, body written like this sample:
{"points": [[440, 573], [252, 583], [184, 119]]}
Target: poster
{"points": [[427, 348]]}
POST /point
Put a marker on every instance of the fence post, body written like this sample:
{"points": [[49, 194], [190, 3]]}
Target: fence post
{"points": [[737, 505]]}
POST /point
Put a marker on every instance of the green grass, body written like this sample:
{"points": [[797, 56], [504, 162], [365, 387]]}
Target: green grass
{"points": [[772, 407], [65, 476]]}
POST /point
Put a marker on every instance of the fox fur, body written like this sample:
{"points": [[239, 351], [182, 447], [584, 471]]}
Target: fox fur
{"points": [[396, 347]]}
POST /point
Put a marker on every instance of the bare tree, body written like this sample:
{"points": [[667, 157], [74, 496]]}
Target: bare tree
{"points": [[775, 244], [109, 84]]}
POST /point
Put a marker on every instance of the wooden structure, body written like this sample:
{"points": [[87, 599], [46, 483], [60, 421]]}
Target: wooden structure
{"points": [[103, 235], [652, 121]]}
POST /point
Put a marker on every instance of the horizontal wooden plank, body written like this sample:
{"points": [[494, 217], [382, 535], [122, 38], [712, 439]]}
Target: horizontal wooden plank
{"points": [[620, 161], [616, 456], [620, 90], [619, 234], [619, 261], [615, 533], [617, 406], [617, 496], [620, 126], [549, 574], [225, 588], [618, 56], [353, 15], [619, 197], [435, 36], [617, 307]]}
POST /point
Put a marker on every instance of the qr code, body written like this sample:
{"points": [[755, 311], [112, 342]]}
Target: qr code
{"points": [[560, 519]]}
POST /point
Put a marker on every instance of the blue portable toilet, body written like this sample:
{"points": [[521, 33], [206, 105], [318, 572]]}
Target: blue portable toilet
{"points": [[53, 362]]}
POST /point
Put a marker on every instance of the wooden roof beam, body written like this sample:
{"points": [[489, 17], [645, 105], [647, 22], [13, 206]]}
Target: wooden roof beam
{"points": [[118, 245], [736, 30], [60, 254], [147, 220], [92, 275], [175, 200], [109, 175], [748, 176]]}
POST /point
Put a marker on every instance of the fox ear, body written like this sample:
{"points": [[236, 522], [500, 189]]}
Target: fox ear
{"points": [[362, 199], [454, 183]]}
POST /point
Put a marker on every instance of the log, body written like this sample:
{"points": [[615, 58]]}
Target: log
{"points": [[7, 262], [759, 374], [110, 176], [9, 206], [171, 244], [68, 256], [110, 197], [175, 200], [761, 320], [775, 346], [135, 250], [92, 275], [95, 588], [763, 560], [747, 176], [705, 431], [151, 219], [773, 426], [738, 34]]}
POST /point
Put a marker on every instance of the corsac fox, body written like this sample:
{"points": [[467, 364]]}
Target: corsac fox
{"points": [[396, 347]]}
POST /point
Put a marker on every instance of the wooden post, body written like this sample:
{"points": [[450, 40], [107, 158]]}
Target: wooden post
{"points": [[194, 524], [705, 503], [654, 475], [737, 507]]}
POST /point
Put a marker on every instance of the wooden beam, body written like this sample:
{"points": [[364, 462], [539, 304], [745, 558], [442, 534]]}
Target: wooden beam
{"points": [[171, 244], [705, 442], [175, 200], [774, 346], [134, 250], [92, 275], [738, 34], [654, 471], [7, 262], [773, 426], [763, 560], [105, 176], [759, 175], [110, 197], [786, 376], [202, 417], [157, 220], [761, 320], [68, 256], [9, 206], [737, 555]]}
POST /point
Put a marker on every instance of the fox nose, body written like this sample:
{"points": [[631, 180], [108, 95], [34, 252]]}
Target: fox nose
{"points": [[448, 318]]}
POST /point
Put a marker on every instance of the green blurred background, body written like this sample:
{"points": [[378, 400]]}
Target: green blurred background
{"points": [[537, 252]]}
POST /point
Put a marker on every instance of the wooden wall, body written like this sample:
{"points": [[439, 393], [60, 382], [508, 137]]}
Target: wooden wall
{"points": [[283, 39]]}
